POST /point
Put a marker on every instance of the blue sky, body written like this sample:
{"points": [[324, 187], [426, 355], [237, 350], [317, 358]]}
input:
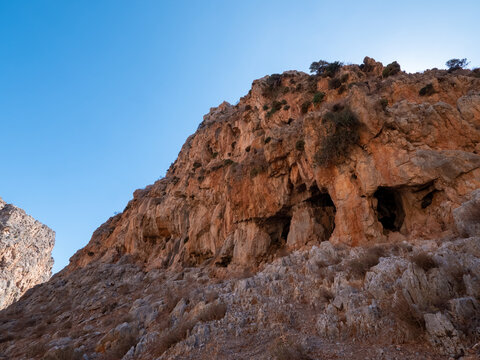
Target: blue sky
{"points": [[97, 97]]}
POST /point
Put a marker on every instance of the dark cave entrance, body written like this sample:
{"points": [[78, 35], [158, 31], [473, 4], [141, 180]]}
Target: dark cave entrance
{"points": [[278, 227], [390, 211], [324, 211]]}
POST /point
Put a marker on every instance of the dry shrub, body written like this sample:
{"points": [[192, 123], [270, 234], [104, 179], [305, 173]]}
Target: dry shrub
{"points": [[6, 338], [65, 353], [171, 300], [401, 248], [287, 350], [325, 295], [211, 296], [36, 350], [457, 272], [124, 289], [180, 331], [424, 261], [391, 69], [427, 90], [408, 315], [366, 261], [215, 311], [282, 316], [40, 330], [67, 325], [172, 337], [121, 347]]}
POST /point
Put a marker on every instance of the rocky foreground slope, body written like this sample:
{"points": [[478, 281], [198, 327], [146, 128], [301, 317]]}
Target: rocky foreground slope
{"points": [[25, 253], [331, 216]]}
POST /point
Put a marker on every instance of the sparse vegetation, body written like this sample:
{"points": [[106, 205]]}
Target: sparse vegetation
{"points": [[305, 106], [274, 84], [366, 261], [318, 97], [276, 105], [383, 103], [334, 83], [257, 170], [342, 132], [325, 68], [287, 350], [456, 64], [391, 69], [407, 314], [325, 295], [344, 78], [427, 90], [424, 261], [300, 145], [214, 311], [267, 140], [120, 348]]}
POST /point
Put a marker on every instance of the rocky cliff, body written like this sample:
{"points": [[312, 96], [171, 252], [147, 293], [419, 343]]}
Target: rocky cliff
{"points": [[254, 170], [25, 253], [318, 211]]}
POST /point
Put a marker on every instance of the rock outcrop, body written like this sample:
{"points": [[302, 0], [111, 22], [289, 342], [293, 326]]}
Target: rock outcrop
{"points": [[25, 253], [251, 172], [316, 212]]}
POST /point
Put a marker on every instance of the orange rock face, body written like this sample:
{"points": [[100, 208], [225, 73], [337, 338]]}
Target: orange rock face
{"points": [[248, 183]]}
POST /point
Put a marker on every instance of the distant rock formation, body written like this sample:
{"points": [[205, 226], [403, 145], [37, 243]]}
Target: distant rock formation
{"points": [[25, 253]]}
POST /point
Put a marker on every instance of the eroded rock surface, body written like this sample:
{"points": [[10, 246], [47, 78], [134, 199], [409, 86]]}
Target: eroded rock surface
{"points": [[251, 173], [25, 253], [320, 217]]}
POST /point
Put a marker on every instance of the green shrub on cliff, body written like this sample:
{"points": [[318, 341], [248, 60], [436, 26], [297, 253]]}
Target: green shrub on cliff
{"points": [[391, 69], [325, 68], [455, 64], [341, 133]]}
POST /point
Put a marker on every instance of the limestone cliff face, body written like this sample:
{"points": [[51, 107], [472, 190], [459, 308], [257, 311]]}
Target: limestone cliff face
{"points": [[25, 253], [227, 256], [249, 182]]}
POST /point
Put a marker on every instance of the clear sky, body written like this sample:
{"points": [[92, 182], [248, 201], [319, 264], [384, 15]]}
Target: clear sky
{"points": [[97, 97]]}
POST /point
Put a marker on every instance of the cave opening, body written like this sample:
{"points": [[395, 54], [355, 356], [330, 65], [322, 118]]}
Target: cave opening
{"points": [[427, 199], [278, 227], [389, 210], [324, 211]]}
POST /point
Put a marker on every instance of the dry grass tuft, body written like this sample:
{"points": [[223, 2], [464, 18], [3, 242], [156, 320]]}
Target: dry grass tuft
{"points": [[121, 347], [325, 295], [287, 350], [360, 266], [424, 261], [215, 311], [408, 315]]}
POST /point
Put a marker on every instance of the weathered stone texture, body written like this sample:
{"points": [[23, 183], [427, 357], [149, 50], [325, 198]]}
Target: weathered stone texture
{"points": [[25, 253]]}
